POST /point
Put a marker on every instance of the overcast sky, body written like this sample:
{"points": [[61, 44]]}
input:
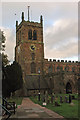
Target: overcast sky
{"points": [[60, 22]]}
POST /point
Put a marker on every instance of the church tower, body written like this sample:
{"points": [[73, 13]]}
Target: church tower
{"points": [[29, 50]]}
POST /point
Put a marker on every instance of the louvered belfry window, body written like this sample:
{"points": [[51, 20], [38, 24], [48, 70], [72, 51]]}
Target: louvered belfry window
{"points": [[30, 34]]}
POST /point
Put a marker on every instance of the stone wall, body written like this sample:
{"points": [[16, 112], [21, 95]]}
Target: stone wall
{"points": [[54, 75]]}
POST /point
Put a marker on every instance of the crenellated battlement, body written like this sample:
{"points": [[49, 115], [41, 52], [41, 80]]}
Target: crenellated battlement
{"points": [[60, 61]]}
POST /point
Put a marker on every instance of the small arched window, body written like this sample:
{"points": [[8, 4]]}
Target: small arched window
{"points": [[33, 67], [30, 34], [34, 35], [50, 69]]}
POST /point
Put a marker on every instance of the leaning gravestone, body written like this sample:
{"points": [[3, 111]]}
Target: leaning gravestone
{"points": [[46, 96], [61, 101]]}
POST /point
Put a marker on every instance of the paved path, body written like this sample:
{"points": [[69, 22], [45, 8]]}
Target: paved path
{"points": [[28, 109]]}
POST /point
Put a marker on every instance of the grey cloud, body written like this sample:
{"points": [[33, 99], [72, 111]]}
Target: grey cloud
{"points": [[62, 34], [68, 52], [62, 43]]}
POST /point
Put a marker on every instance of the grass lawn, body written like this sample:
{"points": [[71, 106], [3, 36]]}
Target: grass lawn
{"points": [[65, 109], [17, 100]]}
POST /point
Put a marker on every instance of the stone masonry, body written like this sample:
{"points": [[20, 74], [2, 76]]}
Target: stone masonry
{"points": [[60, 76]]}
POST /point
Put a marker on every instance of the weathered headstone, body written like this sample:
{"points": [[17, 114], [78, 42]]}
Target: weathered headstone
{"points": [[48, 100], [43, 98], [70, 99], [46, 96], [66, 99], [61, 101], [57, 104], [51, 99], [73, 97], [34, 94], [44, 101], [53, 95]]}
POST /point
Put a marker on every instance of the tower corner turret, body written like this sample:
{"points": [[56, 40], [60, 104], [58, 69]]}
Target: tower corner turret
{"points": [[41, 20]]}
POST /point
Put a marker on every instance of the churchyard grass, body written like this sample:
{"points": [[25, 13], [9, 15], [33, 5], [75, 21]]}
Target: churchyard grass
{"points": [[68, 110]]}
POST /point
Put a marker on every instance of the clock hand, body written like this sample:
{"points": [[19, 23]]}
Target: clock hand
{"points": [[32, 47]]}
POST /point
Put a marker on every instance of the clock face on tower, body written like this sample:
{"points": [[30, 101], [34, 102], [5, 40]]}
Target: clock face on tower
{"points": [[32, 47]]}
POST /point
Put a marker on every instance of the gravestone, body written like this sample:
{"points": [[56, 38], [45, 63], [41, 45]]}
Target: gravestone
{"points": [[73, 97], [51, 99], [46, 96], [48, 101], [61, 101], [57, 104], [43, 98], [70, 99], [66, 99], [34, 95], [53, 96]]}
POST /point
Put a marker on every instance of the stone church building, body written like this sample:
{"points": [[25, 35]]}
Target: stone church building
{"points": [[40, 73]]}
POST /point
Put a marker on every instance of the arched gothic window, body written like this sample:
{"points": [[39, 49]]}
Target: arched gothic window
{"points": [[34, 35], [30, 34], [50, 69], [33, 67]]}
